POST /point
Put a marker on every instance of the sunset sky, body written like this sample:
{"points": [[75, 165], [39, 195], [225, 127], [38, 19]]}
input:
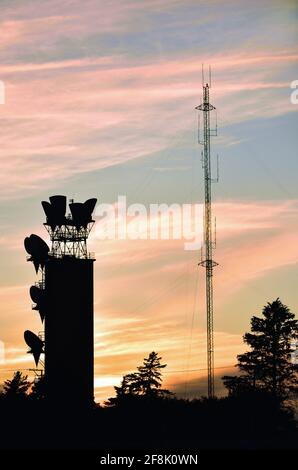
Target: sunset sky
{"points": [[99, 102]]}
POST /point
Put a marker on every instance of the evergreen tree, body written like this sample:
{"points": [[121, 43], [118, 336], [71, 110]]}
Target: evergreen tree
{"points": [[38, 391], [149, 377], [237, 385], [268, 366], [146, 382], [17, 387]]}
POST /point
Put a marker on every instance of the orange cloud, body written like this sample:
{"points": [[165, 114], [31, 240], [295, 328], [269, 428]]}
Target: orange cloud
{"points": [[147, 297]]}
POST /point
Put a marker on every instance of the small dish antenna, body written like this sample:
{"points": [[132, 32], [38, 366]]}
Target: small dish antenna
{"points": [[38, 249], [82, 212], [35, 344], [55, 211], [39, 298]]}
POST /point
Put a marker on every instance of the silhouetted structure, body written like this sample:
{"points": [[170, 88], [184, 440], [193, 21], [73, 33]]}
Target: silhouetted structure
{"points": [[64, 299], [209, 244]]}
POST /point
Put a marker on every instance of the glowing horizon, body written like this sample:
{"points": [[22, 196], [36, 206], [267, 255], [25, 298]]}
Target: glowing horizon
{"points": [[99, 102]]}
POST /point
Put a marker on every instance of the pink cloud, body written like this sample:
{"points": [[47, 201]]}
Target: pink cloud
{"points": [[54, 110]]}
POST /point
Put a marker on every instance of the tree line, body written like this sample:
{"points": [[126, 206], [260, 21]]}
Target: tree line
{"points": [[269, 366], [256, 413]]}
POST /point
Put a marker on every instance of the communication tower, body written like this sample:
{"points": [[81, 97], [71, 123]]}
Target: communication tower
{"points": [[209, 242], [64, 299]]}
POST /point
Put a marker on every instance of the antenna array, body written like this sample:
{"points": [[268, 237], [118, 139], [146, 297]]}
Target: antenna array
{"points": [[209, 242]]}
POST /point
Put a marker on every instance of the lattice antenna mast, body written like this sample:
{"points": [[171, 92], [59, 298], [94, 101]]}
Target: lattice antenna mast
{"points": [[69, 233], [209, 243]]}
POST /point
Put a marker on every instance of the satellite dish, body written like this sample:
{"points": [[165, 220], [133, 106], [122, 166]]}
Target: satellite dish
{"points": [[27, 245], [82, 212], [38, 249], [55, 210], [59, 204], [38, 296], [35, 245], [35, 344], [79, 214], [90, 204], [47, 208]]}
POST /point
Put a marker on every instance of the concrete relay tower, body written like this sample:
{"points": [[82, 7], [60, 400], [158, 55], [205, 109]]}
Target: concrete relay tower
{"points": [[64, 299]]}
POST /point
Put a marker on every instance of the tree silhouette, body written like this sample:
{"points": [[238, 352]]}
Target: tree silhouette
{"points": [[149, 377], [17, 387], [237, 385], [129, 385], [268, 366], [146, 382], [38, 390]]}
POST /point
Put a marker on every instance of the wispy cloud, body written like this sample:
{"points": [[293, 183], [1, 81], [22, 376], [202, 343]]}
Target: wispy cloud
{"points": [[94, 86], [75, 115]]}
